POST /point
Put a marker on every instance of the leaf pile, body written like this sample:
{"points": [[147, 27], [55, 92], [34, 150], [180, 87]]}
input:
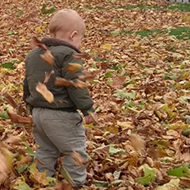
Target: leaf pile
{"points": [[137, 67]]}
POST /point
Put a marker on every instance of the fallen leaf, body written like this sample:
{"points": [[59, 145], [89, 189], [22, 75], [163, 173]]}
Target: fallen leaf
{"points": [[109, 177], [42, 89], [118, 81], [172, 185]]}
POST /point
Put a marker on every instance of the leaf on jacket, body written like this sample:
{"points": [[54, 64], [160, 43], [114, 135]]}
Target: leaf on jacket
{"points": [[63, 82], [80, 84], [79, 161], [15, 118], [81, 55], [73, 67], [48, 57], [42, 89], [47, 76]]}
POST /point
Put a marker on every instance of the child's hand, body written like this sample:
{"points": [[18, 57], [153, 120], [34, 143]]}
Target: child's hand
{"points": [[91, 119]]}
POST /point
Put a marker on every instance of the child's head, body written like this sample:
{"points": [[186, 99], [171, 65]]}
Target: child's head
{"points": [[67, 25]]}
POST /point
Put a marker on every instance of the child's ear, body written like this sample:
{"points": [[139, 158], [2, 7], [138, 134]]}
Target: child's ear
{"points": [[73, 35]]}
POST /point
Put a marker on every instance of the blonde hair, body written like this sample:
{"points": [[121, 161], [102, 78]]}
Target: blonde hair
{"points": [[66, 20]]}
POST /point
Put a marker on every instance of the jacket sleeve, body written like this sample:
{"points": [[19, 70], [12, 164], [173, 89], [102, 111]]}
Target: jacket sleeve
{"points": [[80, 97], [26, 92]]}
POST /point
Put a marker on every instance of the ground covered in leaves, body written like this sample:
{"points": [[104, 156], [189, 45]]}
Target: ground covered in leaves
{"points": [[141, 93]]}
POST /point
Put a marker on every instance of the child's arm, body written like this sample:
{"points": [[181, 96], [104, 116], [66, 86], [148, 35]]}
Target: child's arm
{"points": [[80, 97], [26, 92]]}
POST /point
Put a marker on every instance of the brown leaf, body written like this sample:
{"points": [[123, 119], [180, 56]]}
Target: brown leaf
{"points": [[137, 142], [73, 67], [79, 161], [118, 81], [81, 55], [63, 82], [47, 76], [10, 100], [109, 177], [25, 160], [88, 76], [13, 139], [80, 84], [42, 89], [36, 42], [19, 119], [48, 57], [4, 169]]}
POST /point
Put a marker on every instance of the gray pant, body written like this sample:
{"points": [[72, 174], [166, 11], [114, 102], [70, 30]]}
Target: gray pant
{"points": [[59, 132]]}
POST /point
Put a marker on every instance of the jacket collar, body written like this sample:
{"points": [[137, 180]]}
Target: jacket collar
{"points": [[58, 42]]}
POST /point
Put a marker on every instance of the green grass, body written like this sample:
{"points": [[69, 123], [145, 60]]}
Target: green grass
{"points": [[170, 7], [181, 33]]}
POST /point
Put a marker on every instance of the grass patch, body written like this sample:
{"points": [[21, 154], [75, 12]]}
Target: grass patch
{"points": [[170, 7], [181, 33]]}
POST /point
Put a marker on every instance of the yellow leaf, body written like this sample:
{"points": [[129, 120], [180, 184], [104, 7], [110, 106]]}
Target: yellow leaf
{"points": [[106, 46], [38, 30], [73, 67]]}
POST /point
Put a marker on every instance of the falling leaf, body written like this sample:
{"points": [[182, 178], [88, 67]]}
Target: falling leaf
{"points": [[81, 55], [48, 57], [79, 161], [73, 67], [88, 76], [42, 89], [36, 42], [80, 84], [47, 76], [63, 82], [20, 184], [137, 142], [19, 119], [10, 100]]}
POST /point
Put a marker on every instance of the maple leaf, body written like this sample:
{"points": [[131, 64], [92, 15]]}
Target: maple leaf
{"points": [[42, 89]]}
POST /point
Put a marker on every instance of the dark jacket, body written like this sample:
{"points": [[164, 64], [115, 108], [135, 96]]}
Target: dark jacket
{"points": [[66, 98]]}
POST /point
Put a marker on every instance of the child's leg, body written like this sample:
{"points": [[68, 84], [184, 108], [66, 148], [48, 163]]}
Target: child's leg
{"points": [[46, 152], [65, 130]]}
